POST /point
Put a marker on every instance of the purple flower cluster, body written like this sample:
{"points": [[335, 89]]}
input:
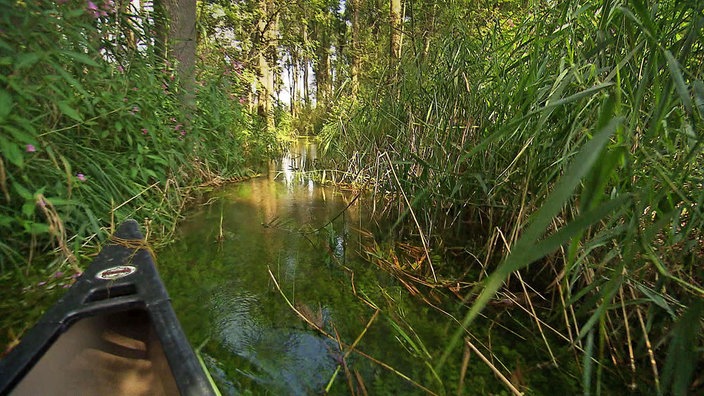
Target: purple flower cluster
{"points": [[108, 7]]}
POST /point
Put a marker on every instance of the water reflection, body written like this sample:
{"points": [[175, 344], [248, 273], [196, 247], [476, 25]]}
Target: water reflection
{"points": [[267, 224], [285, 360], [300, 157]]}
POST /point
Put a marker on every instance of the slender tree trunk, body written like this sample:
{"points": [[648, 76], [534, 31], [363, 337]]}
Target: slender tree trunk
{"points": [[394, 37], [182, 46], [306, 65], [354, 53], [293, 77], [161, 28], [267, 28], [321, 67]]}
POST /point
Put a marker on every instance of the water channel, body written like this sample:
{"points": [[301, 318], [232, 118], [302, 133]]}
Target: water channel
{"points": [[256, 246], [285, 229]]}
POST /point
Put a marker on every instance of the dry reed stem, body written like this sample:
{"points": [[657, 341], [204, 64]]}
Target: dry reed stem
{"points": [[357, 351], [532, 312], [360, 382], [413, 215], [631, 355], [463, 370], [648, 345], [56, 229], [534, 315], [134, 244], [342, 364], [493, 368], [364, 331], [3, 181], [130, 200]]}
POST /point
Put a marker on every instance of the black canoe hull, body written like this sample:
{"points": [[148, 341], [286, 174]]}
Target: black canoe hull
{"points": [[114, 332]]}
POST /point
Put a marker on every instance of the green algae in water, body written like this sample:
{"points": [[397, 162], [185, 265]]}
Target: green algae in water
{"points": [[222, 292]]}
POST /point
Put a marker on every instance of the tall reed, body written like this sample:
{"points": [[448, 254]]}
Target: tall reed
{"points": [[566, 147]]}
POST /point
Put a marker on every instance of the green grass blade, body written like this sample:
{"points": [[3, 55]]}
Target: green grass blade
{"points": [[521, 254]]}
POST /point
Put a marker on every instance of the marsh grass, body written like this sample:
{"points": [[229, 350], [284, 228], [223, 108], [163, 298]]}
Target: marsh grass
{"points": [[565, 152]]}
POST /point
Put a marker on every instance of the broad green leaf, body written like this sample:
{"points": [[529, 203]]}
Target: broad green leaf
{"points": [[19, 135], [5, 104], [682, 358], [28, 208], [22, 192], [699, 96], [12, 152], [678, 80], [656, 298], [27, 60], [37, 228], [69, 111], [82, 58]]}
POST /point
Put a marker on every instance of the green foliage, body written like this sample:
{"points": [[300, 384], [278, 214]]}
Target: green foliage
{"points": [[570, 130], [92, 131]]}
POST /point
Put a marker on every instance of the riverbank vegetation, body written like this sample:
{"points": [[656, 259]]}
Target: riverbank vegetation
{"points": [[556, 148], [541, 155], [98, 126]]}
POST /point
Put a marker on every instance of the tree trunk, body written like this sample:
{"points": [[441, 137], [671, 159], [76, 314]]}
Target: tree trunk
{"points": [[394, 36], [182, 46], [354, 53], [321, 66], [267, 32], [306, 65], [161, 28]]}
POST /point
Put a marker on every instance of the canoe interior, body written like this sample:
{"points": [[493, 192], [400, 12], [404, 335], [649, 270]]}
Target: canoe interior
{"points": [[113, 353]]}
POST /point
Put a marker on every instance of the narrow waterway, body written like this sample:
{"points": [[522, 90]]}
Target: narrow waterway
{"points": [[263, 262], [284, 228]]}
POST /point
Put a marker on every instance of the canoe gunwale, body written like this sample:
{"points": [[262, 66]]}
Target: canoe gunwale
{"points": [[92, 296]]}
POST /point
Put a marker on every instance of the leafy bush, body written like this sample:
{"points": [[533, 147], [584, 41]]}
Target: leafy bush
{"points": [[93, 129]]}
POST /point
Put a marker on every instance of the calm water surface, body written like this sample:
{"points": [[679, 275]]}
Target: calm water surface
{"points": [[219, 275]]}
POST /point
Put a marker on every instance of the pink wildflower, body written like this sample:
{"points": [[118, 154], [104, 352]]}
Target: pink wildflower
{"points": [[81, 177], [92, 9], [120, 68], [145, 131], [243, 100], [183, 133], [31, 148]]}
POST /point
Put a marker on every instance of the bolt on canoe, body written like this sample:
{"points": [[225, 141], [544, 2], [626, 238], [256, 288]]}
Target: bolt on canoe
{"points": [[114, 332]]}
